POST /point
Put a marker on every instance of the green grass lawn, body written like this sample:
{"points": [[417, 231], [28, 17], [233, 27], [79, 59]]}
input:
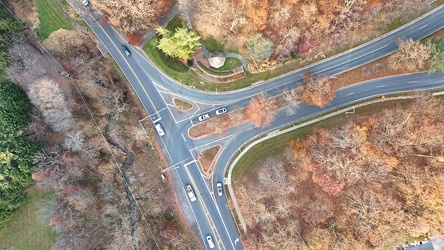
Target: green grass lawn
{"points": [[277, 145], [169, 65], [51, 17], [230, 63], [25, 231], [211, 44], [174, 23]]}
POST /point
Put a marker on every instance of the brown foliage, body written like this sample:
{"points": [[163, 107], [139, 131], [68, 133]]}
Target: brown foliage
{"points": [[372, 182], [132, 16], [135, 39], [411, 55], [317, 92], [260, 112]]}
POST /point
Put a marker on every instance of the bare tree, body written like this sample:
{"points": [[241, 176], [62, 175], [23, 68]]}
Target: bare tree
{"points": [[48, 97], [411, 55], [291, 99], [74, 141]]}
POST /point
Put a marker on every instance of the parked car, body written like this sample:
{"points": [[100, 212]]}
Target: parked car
{"points": [[219, 188], [85, 2], [204, 117], [159, 129], [126, 50], [210, 241], [190, 192], [221, 111]]}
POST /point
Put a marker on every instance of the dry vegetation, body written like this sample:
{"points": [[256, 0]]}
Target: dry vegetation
{"points": [[93, 204], [296, 25], [206, 158], [133, 16], [372, 182]]}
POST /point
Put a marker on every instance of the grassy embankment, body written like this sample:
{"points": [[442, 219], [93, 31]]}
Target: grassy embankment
{"points": [[52, 17], [275, 146]]}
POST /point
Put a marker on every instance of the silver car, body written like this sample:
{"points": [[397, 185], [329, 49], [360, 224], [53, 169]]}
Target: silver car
{"points": [[190, 192], [159, 129]]}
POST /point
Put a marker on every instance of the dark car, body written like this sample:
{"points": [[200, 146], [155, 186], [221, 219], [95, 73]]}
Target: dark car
{"points": [[126, 50]]}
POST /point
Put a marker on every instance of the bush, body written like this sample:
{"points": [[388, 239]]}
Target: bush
{"points": [[293, 55], [190, 63], [259, 48]]}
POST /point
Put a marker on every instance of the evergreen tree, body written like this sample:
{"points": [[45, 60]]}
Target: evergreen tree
{"points": [[16, 150], [436, 54], [180, 44]]}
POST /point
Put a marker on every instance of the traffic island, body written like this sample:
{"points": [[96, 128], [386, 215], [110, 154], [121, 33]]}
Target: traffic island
{"points": [[207, 158]]}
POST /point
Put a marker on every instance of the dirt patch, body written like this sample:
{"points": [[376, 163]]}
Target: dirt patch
{"points": [[207, 158], [182, 105]]}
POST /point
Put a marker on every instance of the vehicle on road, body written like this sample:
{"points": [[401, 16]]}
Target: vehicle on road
{"points": [[190, 192], [219, 188], [204, 117], [210, 241], [85, 2], [221, 111], [126, 50], [159, 129]]}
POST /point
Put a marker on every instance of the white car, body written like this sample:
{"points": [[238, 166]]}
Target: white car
{"points": [[210, 241], [204, 117], [85, 2], [221, 111], [159, 129], [190, 192], [219, 188]]}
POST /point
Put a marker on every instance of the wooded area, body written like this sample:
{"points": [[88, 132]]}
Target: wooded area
{"points": [[295, 25], [374, 181], [96, 169]]}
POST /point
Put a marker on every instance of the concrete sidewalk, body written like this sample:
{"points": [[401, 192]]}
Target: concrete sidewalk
{"points": [[170, 15]]}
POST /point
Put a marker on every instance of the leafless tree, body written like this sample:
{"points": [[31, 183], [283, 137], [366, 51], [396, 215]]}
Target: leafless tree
{"points": [[291, 99], [74, 141], [49, 157], [48, 97], [115, 102]]}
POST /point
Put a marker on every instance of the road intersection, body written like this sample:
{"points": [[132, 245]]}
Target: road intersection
{"points": [[153, 88]]}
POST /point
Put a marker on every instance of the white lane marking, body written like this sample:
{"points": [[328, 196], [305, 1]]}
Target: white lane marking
{"points": [[213, 142], [183, 137], [380, 86], [351, 93], [411, 81], [423, 27], [350, 60], [191, 162]]}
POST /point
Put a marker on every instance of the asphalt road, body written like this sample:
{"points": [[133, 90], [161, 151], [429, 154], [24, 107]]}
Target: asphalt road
{"points": [[211, 212]]}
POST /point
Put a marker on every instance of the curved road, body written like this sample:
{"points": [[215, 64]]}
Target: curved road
{"points": [[210, 211]]}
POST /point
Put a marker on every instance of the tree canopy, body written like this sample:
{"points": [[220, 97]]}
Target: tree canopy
{"points": [[259, 48], [16, 150], [436, 54], [179, 44]]}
